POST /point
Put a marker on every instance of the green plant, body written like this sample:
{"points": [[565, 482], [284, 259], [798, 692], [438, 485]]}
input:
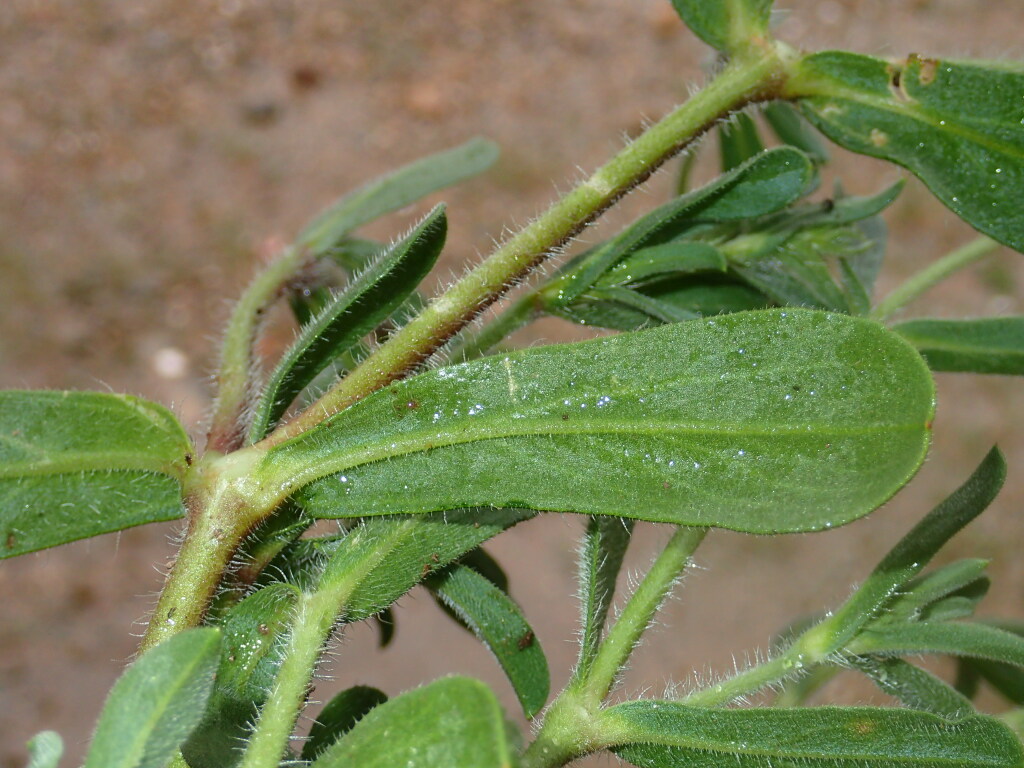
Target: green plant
{"points": [[753, 388]]}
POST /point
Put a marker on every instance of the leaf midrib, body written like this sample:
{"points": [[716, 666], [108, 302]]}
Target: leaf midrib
{"points": [[421, 440]]}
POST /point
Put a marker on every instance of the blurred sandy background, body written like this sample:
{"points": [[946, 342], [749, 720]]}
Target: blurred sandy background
{"points": [[149, 151]]}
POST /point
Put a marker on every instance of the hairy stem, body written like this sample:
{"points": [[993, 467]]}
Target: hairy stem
{"points": [[934, 274], [571, 726], [227, 428], [752, 78], [639, 611], [315, 618]]}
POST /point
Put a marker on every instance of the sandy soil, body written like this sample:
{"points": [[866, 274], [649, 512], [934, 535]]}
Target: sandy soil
{"points": [[151, 153]]}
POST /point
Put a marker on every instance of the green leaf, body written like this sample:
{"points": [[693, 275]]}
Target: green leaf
{"points": [[791, 128], [703, 295], [676, 257], [914, 687], [156, 703], [383, 558], [45, 750], [658, 311], [1005, 678], [764, 184], [397, 190], [725, 24], [250, 655], [340, 716], [972, 639], [452, 722], [367, 301], [955, 125], [665, 734], [911, 554], [604, 547], [738, 141], [78, 464], [730, 422], [498, 623], [918, 594], [990, 345]]}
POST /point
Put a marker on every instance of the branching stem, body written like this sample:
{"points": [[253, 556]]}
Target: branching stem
{"points": [[751, 78]]}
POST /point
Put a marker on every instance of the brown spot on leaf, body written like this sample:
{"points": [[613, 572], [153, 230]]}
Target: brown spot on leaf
{"points": [[526, 640]]}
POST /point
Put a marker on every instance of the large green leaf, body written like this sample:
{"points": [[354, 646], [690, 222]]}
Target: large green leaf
{"points": [[452, 722], [666, 734], [725, 24], [496, 620], [956, 125], [397, 190], [78, 464], [989, 345], [765, 422], [366, 302], [250, 656], [156, 703], [45, 750]]}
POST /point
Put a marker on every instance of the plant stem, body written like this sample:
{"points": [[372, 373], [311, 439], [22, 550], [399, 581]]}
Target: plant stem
{"points": [[639, 611], [227, 431], [571, 725], [222, 507], [204, 554], [315, 617], [754, 77], [934, 274]]}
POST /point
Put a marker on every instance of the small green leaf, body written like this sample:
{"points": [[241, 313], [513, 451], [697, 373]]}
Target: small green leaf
{"points": [[452, 722], [340, 716], [972, 639], [791, 128], [764, 184], [156, 703], [397, 190], [604, 547], [367, 301], [920, 593], [955, 125], [704, 295], [732, 423], [676, 257], [78, 464], [990, 345], [913, 687], [250, 655], [659, 312], [910, 555], [498, 623], [725, 24], [666, 734], [45, 750], [738, 141]]}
